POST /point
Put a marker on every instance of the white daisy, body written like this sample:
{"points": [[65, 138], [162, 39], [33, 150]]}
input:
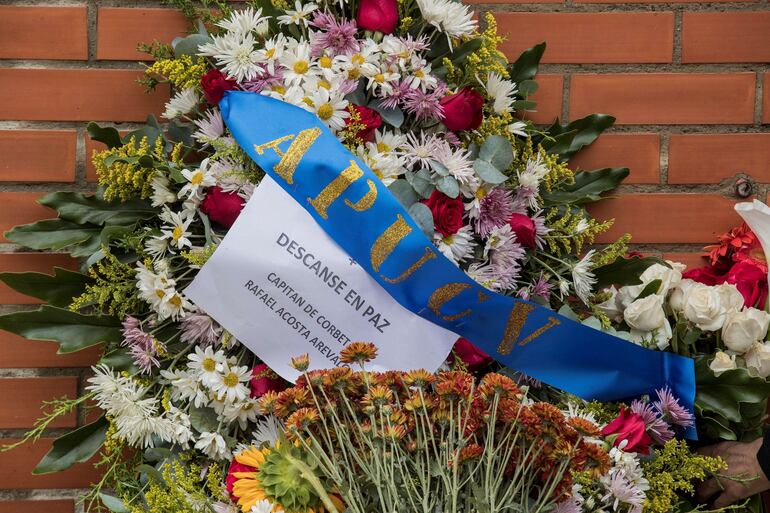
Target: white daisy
{"points": [[152, 286], [245, 413], [206, 364], [236, 55], [156, 247], [452, 18], [272, 51], [176, 227], [296, 62], [182, 103], [501, 91], [267, 431], [201, 177], [213, 446], [331, 108], [382, 83], [386, 141], [229, 384], [174, 305], [263, 506], [421, 75], [185, 386], [298, 16], [456, 247], [582, 278]]}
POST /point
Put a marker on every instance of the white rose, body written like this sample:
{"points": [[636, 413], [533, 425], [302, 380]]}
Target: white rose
{"points": [[659, 337], [668, 276], [676, 299], [703, 307], [743, 328], [758, 359], [722, 362], [645, 314], [611, 307], [731, 298]]}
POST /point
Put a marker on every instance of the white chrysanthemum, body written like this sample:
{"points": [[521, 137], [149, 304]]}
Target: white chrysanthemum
{"points": [[161, 191], [201, 177], [153, 287], [185, 386], [420, 149], [229, 384], [206, 364], [267, 431], [210, 127], [582, 278], [176, 227], [456, 247], [387, 166], [156, 247], [236, 55], [518, 128], [182, 428], [298, 16], [501, 91], [452, 18], [331, 108], [182, 103], [213, 446], [459, 165], [244, 21]]}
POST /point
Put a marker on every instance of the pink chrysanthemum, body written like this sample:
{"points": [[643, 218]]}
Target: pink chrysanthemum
{"points": [[621, 490], [200, 328], [339, 37], [495, 209], [568, 506], [423, 105], [656, 426], [397, 96], [672, 411], [542, 287], [142, 346], [263, 80]]}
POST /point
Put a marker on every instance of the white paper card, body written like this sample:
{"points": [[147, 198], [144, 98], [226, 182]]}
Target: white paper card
{"points": [[283, 287]]}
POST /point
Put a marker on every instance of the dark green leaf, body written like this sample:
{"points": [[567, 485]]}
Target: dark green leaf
{"points": [[725, 393], [403, 192], [107, 135], [81, 208], [53, 234], [423, 217], [525, 67], [75, 447], [569, 138], [588, 186], [71, 330], [394, 117], [119, 359], [57, 290], [527, 88], [624, 271], [650, 289], [151, 130]]}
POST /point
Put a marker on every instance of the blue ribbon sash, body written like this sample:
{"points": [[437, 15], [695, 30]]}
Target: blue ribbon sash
{"points": [[353, 206]]}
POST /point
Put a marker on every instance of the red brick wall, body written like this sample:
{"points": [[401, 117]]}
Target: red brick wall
{"points": [[689, 83]]}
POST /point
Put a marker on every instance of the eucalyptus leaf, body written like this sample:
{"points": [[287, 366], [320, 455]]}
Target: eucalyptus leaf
{"points": [[423, 217], [488, 172], [57, 289], [113, 503], [394, 116], [189, 45], [527, 87], [77, 446], [203, 419], [449, 186], [403, 192], [497, 150], [439, 168], [73, 331], [420, 181]]}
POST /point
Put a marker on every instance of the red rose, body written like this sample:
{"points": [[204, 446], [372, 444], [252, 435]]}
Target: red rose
{"points": [[751, 282], [222, 207], [214, 84], [264, 380], [369, 118], [706, 275], [462, 110], [524, 228], [230, 479], [378, 15], [447, 213], [629, 426], [473, 357]]}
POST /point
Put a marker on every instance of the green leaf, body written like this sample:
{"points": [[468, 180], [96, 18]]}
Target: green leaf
{"points": [[81, 208], [420, 181], [119, 359], [53, 234], [624, 271], [394, 117], [113, 503], [75, 447], [497, 150], [189, 45], [588, 186], [107, 135], [569, 138], [57, 290], [725, 393], [73, 331], [423, 217], [525, 67], [527, 88], [488, 172], [403, 192], [449, 186], [203, 419], [651, 288]]}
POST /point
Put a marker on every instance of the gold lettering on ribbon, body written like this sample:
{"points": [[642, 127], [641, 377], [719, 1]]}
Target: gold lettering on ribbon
{"points": [[516, 321], [341, 182], [443, 295], [387, 242], [297, 149]]}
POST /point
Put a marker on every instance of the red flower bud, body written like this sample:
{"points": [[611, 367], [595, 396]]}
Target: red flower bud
{"points": [[447, 213], [473, 357], [264, 380], [524, 228], [214, 84], [462, 110], [630, 427], [222, 207], [377, 15]]}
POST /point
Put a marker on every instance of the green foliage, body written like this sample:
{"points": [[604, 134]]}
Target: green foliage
{"points": [[73, 331], [57, 290], [624, 271], [57, 234], [76, 446], [567, 139], [525, 67], [588, 187]]}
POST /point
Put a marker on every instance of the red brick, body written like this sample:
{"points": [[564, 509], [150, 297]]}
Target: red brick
{"points": [[120, 29], [667, 218], [42, 506], [665, 98], [657, 1], [766, 98], [638, 152], [616, 37], [19, 353], [76, 95], [37, 155], [58, 33], [26, 262], [691, 260], [20, 208], [710, 158], [23, 398], [548, 97], [726, 36], [16, 469]]}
